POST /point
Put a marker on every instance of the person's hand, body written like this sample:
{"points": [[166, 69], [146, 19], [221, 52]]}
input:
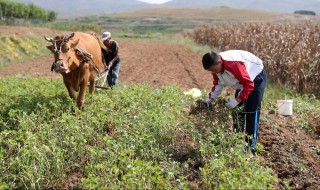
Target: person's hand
{"points": [[208, 102], [204, 104], [232, 103]]}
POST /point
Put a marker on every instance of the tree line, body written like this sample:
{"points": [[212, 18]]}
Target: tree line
{"points": [[15, 10], [305, 12]]}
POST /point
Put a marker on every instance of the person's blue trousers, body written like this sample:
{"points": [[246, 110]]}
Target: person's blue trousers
{"points": [[113, 74], [251, 113]]}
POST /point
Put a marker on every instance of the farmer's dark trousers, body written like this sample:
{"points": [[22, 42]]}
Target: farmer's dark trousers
{"points": [[113, 74], [251, 112]]}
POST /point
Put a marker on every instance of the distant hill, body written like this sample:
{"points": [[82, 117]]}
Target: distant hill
{"points": [[284, 6], [95, 7]]}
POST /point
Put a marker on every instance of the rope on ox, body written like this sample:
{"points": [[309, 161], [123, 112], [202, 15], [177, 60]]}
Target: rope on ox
{"points": [[89, 57]]}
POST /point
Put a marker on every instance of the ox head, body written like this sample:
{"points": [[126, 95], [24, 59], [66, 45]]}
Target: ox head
{"points": [[63, 48]]}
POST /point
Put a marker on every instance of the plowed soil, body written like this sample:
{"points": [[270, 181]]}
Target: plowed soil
{"points": [[292, 153], [153, 63]]}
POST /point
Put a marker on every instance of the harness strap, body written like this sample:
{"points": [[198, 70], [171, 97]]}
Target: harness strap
{"points": [[95, 67], [85, 53], [89, 58]]}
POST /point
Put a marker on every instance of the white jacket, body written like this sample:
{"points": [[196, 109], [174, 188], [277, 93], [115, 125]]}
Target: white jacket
{"points": [[240, 68]]}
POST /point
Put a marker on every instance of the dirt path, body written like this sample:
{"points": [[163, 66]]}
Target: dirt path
{"points": [[38, 67], [293, 154], [162, 64]]}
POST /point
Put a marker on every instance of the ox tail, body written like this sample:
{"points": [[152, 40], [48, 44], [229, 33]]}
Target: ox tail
{"points": [[104, 51], [102, 46]]}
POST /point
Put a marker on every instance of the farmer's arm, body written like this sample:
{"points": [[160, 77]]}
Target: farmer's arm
{"points": [[216, 88], [241, 74], [115, 53]]}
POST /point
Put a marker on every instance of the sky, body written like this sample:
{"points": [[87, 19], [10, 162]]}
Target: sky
{"points": [[155, 1]]}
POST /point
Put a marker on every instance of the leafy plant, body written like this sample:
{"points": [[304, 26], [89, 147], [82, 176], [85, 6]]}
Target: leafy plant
{"points": [[130, 137]]}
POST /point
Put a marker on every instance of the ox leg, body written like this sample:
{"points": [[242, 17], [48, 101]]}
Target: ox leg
{"points": [[72, 94], [80, 98], [71, 91], [92, 88], [84, 78]]}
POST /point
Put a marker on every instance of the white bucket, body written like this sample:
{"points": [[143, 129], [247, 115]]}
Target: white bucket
{"points": [[284, 107]]}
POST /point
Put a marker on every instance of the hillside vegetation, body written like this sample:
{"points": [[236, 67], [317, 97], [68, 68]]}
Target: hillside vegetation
{"points": [[172, 20], [15, 49]]}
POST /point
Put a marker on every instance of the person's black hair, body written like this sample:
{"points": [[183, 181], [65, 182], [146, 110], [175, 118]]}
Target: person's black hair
{"points": [[209, 59]]}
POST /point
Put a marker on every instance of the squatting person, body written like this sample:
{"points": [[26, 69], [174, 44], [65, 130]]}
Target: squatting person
{"points": [[112, 58], [245, 73]]}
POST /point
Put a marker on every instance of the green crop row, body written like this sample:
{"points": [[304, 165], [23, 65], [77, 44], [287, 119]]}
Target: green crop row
{"points": [[131, 137]]}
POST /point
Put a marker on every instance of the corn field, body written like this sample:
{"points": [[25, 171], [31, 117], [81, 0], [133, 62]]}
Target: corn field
{"points": [[290, 52]]}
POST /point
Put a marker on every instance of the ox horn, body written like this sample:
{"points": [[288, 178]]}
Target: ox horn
{"points": [[68, 37], [48, 39]]}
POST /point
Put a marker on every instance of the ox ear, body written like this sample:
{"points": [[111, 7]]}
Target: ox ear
{"points": [[50, 48], [74, 45], [80, 55]]}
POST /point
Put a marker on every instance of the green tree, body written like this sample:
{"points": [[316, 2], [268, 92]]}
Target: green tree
{"points": [[8, 10], [52, 15], [304, 12], [20, 11], [14, 10]]}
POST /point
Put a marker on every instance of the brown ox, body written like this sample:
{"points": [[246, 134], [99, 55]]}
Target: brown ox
{"points": [[78, 58]]}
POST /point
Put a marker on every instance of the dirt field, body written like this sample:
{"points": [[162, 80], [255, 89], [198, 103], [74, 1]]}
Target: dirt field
{"points": [[153, 63], [293, 154]]}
